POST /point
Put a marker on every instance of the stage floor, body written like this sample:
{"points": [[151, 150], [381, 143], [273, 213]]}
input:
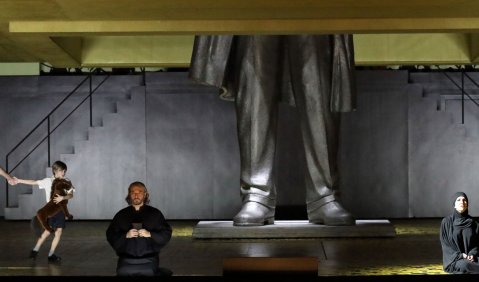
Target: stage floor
{"points": [[415, 250]]}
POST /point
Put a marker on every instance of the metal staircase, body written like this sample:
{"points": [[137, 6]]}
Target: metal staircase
{"points": [[82, 150]]}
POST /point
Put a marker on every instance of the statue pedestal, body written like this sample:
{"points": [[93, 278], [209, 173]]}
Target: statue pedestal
{"points": [[292, 229]]}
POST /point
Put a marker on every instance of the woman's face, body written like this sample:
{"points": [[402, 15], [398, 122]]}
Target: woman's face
{"points": [[460, 204]]}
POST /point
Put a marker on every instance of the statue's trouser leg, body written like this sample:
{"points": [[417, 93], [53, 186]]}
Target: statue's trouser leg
{"points": [[310, 60], [256, 112]]}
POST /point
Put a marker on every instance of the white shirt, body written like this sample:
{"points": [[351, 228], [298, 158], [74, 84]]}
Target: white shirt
{"points": [[46, 184]]}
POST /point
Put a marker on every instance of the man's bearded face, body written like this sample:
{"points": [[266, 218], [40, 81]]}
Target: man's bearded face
{"points": [[137, 195]]}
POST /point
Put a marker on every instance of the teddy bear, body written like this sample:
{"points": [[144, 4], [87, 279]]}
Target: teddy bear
{"points": [[62, 187]]}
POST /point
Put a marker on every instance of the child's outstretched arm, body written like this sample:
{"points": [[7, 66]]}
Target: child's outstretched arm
{"points": [[7, 176], [25, 181]]}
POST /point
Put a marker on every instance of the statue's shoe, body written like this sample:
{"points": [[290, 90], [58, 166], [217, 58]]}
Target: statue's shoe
{"points": [[254, 214], [331, 213]]}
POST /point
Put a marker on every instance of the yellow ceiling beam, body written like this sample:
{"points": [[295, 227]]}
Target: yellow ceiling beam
{"points": [[233, 9], [258, 26]]}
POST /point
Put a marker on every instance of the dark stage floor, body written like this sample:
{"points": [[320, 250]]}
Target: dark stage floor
{"points": [[415, 250]]}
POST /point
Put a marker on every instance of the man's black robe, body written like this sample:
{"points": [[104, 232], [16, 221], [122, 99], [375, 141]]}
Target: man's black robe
{"points": [[134, 251]]}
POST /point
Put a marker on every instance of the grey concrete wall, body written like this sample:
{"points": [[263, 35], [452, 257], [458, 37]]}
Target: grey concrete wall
{"points": [[113, 157], [399, 155], [443, 151], [374, 145], [192, 152]]}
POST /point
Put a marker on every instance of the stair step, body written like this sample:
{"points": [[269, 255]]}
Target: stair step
{"points": [[109, 118], [444, 97], [123, 106], [66, 157], [92, 131], [80, 146]]}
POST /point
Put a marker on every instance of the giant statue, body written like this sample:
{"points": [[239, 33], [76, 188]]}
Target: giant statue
{"points": [[315, 73]]}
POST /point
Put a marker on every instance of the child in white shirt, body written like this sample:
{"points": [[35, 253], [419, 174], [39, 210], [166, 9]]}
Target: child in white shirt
{"points": [[57, 221]]}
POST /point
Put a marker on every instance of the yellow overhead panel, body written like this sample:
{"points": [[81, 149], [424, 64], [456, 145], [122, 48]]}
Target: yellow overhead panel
{"points": [[19, 69], [137, 51], [370, 49], [398, 49]]}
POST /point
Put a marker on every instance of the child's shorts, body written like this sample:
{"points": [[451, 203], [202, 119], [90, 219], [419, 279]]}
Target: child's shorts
{"points": [[57, 221]]}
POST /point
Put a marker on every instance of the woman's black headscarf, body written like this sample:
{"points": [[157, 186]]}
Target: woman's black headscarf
{"points": [[461, 220]]}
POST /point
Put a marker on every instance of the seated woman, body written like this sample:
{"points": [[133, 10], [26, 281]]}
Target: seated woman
{"points": [[459, 238]]}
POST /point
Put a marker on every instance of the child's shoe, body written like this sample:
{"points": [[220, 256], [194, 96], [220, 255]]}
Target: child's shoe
{"points": [[54, 258], [33, 254]]}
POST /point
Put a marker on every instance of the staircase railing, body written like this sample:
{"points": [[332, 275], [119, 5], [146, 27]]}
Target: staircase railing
{"points": [[49, 130], [463, 91]]}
